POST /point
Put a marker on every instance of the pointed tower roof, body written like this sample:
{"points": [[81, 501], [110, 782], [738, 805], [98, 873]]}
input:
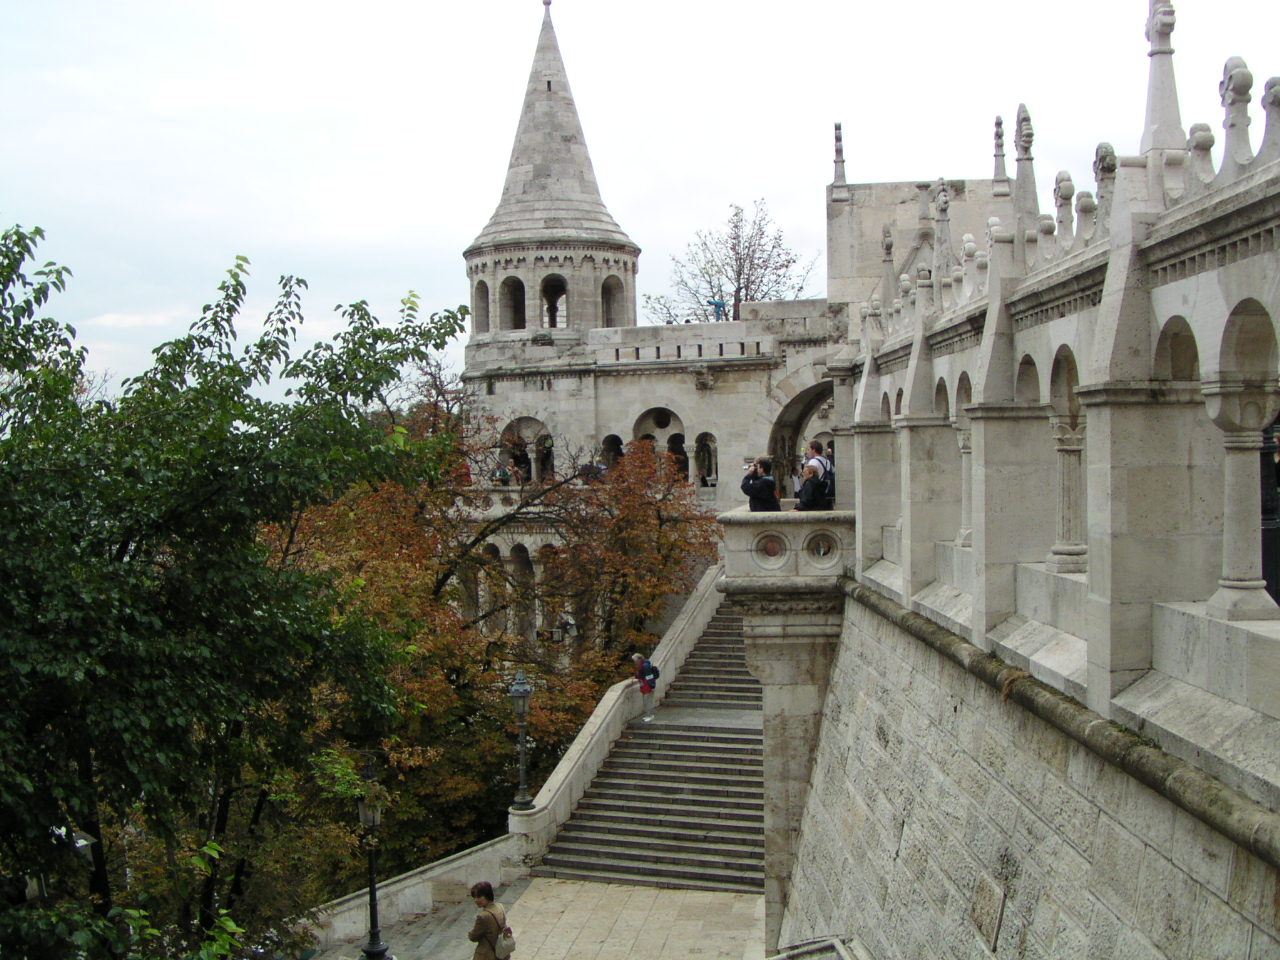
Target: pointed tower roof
{"points": [[551, 191]]}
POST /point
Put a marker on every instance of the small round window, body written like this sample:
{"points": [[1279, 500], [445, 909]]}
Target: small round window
{"points": [[770, 550], [822, 549]]}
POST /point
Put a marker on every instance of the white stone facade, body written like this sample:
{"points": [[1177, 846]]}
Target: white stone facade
{"points": [[1048, 427]]}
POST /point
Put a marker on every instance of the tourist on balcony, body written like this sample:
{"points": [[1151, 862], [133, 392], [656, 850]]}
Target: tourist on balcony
{"points": [[812, 495], [760, 487]]}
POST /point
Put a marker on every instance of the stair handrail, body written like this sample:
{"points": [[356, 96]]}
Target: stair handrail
{"points": [[535, 829]]}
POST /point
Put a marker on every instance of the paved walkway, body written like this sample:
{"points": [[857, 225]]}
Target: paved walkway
{"points": [[571, 920]]}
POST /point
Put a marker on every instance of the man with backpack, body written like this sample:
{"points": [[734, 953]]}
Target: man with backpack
{"points": [[826, 473]]}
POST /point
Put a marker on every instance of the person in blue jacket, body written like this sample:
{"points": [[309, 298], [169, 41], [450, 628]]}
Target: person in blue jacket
{"points": [[760, 487], [647, 677]]}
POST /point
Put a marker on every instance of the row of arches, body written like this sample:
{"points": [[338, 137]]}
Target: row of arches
{"points": [[527, 449], [553, 306], [1184, 452]]}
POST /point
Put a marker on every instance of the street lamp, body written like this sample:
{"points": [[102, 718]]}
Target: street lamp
{"points": [[370, 809], [520, 692]]}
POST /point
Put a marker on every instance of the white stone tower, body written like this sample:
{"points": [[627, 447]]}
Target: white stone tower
{"points": [[551, 263]]}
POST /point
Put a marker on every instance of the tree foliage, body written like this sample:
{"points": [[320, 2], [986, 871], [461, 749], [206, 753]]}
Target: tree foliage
{"points": [[218, 609], [746, 262], [419, 560], [161, 671]]}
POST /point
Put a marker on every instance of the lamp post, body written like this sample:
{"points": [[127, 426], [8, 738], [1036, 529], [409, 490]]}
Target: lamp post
{"points": [[520, 692], [370, 808]]}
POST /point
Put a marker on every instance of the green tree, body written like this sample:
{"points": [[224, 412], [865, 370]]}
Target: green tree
{"points": [[160, 671], [747, 261]]}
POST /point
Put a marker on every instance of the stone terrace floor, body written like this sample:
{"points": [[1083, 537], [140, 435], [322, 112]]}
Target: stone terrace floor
{"points": [[571, 920]]}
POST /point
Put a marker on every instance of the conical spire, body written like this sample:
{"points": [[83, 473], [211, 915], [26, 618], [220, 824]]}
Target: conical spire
{"points": [[551, 191]]}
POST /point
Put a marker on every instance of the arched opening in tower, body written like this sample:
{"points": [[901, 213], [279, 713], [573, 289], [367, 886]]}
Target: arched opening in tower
{"points": [[555, 302], [511, 304], [480, 308], [611, 302]]}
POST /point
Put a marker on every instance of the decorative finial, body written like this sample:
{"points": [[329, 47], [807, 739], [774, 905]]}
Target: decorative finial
{"points": [[1024, 134], [839, 155], [1000, 177], [546, 3]]}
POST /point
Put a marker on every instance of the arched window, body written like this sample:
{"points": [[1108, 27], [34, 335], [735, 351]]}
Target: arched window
{"points": [[675, 447], [706, 460], [1177, 357], [545, 463], [480, 307], [511, 304], [611, 449], [555, 302], [611, 307], [1026, 389]]}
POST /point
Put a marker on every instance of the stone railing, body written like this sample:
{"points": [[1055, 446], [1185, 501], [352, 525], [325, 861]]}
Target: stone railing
{"points": [[790, 543], [533, 830], [416, 892]]}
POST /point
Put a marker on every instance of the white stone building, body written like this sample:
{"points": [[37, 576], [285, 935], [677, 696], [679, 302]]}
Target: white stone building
{"points": [[1030, 706]]}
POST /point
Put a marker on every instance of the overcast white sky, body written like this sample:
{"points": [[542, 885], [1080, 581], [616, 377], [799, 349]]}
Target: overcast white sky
{"points": [[363, 145]]}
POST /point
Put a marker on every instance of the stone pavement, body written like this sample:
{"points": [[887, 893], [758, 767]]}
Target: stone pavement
{"points": [[571, 920]]}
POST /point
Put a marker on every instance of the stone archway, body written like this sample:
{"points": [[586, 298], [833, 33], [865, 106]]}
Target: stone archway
{"points": [[798, 419]]}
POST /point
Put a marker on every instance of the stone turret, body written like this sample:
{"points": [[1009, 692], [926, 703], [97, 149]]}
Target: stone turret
{"points": [[551, 262]]}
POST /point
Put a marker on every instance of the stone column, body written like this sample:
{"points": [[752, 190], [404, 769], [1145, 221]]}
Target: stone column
{"points": [[1070, 551], [877, 496], [930, 495], [783, 572], [1013, 476], [964, 439], [792, 630], [1241, 410]]}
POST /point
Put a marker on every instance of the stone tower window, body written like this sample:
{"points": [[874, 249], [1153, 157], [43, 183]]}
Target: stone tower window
{"points": [[511, 304], [480, 308], [611, 302], [555, 302]]}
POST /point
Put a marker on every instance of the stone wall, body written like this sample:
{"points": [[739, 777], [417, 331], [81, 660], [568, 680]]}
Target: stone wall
{"points": [[945, 821]]}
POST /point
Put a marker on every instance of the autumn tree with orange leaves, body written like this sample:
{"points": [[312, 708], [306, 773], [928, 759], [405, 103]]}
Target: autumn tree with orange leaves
{"points": [[418, 560]]}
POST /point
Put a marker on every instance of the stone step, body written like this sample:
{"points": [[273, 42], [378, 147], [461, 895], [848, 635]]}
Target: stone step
{"points": [[679, 810], [726, 885], [743, 760], [692, 668], [638, 787], [662, 735], [701, 858], [717, 691], [700, 871], [701, 703], [699, 765], [684, 730], [640, 846], [668, 771], [667, 831], [662, 746]]}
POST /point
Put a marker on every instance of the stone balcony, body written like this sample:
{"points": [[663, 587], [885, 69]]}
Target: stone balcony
{"points": [[810, 548]]}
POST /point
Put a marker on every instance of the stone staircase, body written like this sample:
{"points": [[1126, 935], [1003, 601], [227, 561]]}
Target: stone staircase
{"points": [[680, 801], [715, 675]]}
